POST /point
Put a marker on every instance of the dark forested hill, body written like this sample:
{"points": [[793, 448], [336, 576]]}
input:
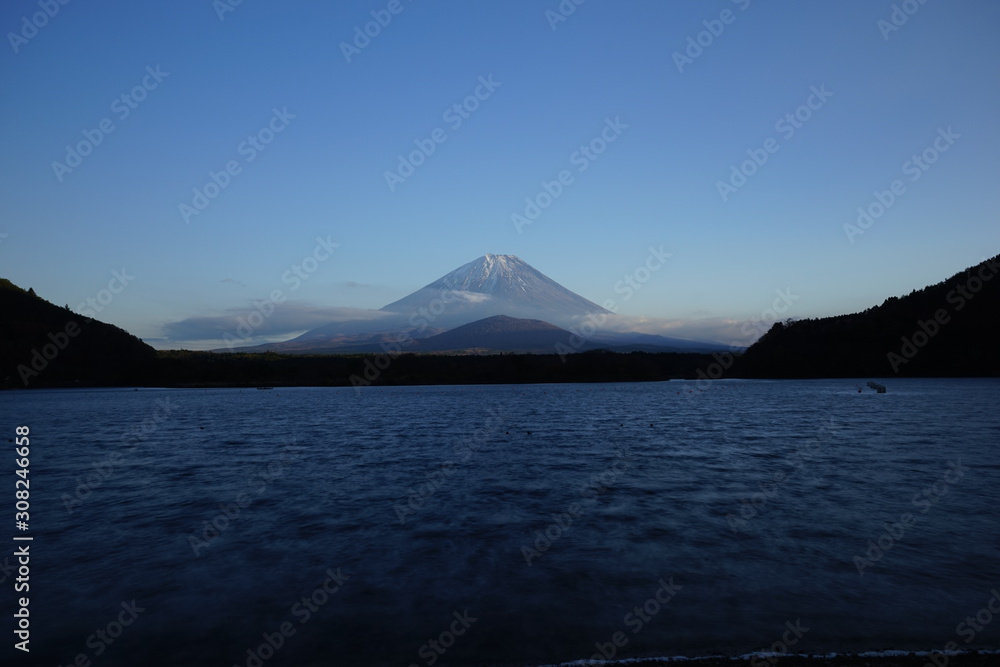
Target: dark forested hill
{"points": [[44, 345], [947, 329]]}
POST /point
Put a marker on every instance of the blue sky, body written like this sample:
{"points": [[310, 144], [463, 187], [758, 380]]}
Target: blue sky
{"points": [[279, 70]]}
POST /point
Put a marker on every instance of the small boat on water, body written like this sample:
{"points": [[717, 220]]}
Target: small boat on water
{"points": [[264, 388]]}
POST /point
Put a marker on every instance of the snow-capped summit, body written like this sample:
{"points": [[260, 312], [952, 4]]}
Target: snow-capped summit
{"points": [[496, 285], [490, 274]]}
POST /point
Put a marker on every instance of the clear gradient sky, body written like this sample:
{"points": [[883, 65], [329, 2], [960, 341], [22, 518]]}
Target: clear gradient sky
{"points": [[890, 91]]}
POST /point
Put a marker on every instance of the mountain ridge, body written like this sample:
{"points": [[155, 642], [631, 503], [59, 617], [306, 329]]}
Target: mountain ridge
{"points": [[500, 333], [489, 286], [497, 285]]}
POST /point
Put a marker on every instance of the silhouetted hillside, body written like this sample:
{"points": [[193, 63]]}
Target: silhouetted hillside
{"points": [[44, 345], [947, 329]]}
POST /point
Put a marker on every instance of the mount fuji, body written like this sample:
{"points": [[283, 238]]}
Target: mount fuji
{"points": [[494, 285], [488, 287]]}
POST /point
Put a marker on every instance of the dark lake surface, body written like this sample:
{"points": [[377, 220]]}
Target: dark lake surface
{"points": [[508, 525]]}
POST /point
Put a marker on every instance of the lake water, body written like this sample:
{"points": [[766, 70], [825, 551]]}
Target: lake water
{"points": [[508, 525]]}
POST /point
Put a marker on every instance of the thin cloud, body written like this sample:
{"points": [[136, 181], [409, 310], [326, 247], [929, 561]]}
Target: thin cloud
{"points": [[709, 329], [268, 321]]}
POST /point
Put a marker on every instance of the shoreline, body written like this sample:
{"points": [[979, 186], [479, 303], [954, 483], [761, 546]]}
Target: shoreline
{"points": [[210, 384], [887, 658]]}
